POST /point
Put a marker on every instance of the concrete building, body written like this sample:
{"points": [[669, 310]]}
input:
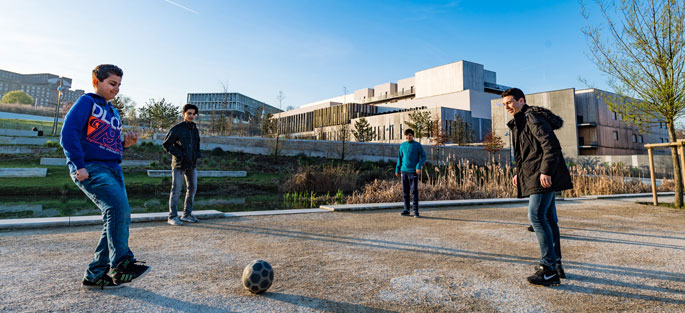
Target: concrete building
{"points": [[42, 87], [233, 104], [457, 91], [590, 128]]}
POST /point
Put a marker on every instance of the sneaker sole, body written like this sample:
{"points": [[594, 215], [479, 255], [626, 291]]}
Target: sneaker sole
{"points": [[141, 276], [554, 284], [98, 287]]}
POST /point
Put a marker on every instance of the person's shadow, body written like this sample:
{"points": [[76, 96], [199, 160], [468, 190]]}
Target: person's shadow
{"points": [[322, 304], [161, 301]]}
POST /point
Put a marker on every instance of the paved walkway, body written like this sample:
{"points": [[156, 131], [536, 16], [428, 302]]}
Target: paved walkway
{"points": [[619, 256]]}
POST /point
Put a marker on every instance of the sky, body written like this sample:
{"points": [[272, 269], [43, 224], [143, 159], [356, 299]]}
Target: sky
{"points": [[310, 50]]}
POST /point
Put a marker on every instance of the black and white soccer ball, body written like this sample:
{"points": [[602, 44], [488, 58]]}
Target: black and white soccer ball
{"points": [[258, 276]]}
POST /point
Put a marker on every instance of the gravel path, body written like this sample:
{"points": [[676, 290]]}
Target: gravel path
{"points": [[619, 256]]}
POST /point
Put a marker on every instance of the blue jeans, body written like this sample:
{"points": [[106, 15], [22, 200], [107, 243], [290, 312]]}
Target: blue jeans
{"points": [[177, 175], [542, 212], [105, 187], [410, 183]]}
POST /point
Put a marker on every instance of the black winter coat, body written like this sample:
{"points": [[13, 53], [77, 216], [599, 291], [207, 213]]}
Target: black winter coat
{"points": [[537, 151], [183, 143]]}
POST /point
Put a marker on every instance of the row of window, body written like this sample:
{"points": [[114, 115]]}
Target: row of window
{"points": [[638, 138]]}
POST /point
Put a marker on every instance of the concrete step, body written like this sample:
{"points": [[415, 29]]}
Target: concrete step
{"points": [[23, 172], [167, 173]]}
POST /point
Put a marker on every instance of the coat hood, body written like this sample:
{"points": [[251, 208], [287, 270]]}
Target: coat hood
{"points": [[554, 120]]}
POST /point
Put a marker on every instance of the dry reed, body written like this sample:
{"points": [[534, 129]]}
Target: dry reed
{"points": [[464, 180]]}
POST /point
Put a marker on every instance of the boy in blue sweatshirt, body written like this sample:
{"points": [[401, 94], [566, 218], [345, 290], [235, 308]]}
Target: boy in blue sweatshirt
{"points": [[409, 163], [93, 143]]}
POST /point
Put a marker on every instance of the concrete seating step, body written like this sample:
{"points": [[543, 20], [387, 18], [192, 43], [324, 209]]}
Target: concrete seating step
{"points": [[23, 172], [124, 163], [167, 173]]}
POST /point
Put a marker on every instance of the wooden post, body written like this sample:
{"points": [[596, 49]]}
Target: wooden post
{"points": [[681, 151], [651, 174]]}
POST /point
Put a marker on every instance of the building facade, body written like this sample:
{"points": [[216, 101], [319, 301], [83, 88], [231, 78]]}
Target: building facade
{"points": [[232, 104], [590, 128], [459, 91], [42, 87]]}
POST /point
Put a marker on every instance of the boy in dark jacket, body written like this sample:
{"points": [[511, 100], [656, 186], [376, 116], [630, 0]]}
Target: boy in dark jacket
{"points": [[541, 171], [93, 143], [183, 143], [409, 163]]}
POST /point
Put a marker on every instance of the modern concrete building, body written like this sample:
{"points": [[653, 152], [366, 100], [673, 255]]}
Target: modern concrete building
{"points": [[42, 87], [460, 90], [233, 104], [590, 128]]}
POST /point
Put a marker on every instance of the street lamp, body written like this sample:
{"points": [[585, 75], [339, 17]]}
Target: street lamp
{"points": [[59, 99]]}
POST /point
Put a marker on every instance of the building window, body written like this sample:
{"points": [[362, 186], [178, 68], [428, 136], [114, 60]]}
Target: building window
{"points": [[579, 119], [615, 135], [615, 116], [581, 141], [634, 138], [640, 138]]}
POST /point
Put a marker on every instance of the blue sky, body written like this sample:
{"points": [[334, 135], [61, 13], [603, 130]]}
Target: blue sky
{"points": [[308, 49]]}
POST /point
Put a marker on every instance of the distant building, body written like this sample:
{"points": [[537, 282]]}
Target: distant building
{"points": [[460, 90], [590, 128], [233, 104], [42, 87]]}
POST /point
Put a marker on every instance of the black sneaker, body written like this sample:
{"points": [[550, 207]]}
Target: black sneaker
{"points": [[545, 276], [128, 271], [104, 282], [405, 213], [531, 229], [560, 271], [416, 215]]}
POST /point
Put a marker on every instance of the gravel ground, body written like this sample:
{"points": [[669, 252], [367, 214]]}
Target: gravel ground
{"points": [[619, 256]]}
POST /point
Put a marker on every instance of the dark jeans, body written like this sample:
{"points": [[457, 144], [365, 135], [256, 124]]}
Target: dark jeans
{"points": [[542, 212], [410, 183], [176, 184], [105, 187]]}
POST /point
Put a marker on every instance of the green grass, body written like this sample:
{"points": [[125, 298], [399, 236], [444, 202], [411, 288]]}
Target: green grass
{"points": [[45, 126]]}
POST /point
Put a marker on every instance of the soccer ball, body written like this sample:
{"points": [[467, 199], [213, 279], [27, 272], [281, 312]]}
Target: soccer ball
{"points": [[258, 276]]}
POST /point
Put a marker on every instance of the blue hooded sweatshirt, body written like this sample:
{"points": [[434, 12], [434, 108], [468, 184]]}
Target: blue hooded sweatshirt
{"points": [[92, 133], [411, 157]]}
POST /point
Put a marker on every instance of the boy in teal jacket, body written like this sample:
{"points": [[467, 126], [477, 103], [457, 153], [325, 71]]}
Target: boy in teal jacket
{"points": [[409, 163]]}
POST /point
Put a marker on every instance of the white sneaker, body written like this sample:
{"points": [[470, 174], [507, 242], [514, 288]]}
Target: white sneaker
{"points": [[190, 219], [174, 221]]}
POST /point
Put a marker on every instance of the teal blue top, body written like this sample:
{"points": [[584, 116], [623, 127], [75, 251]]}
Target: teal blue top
{"points": [[411, 157]]}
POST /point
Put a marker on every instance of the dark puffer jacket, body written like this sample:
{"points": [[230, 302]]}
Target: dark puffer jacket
{"points": [[183, 143], [537, 151]]}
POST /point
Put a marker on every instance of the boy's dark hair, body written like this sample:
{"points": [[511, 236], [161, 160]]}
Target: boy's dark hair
{"points": [[409, 131], [102, 71], [514, 92], [189, 107]]}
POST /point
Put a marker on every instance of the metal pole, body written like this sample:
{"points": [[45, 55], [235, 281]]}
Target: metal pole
{"points": [[59, 98]]}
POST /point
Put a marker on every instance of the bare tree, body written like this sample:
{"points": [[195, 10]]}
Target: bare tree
{"points": [[280, 99], [642, 50], [343, 133]]}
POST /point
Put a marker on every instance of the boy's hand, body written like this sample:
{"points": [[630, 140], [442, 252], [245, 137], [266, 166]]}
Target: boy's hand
{"points": [[397, 174], [130, 138], [418, 172], [514, 180], [82, 174], [545, 181]]}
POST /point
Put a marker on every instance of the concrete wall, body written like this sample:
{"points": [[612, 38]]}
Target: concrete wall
{"points": [[440, 80], [333, 149], [406, 84], [16, 132]]}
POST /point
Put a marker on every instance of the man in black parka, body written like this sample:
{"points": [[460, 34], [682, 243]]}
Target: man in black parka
{"points": [[541, 171], [183, 143]]}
